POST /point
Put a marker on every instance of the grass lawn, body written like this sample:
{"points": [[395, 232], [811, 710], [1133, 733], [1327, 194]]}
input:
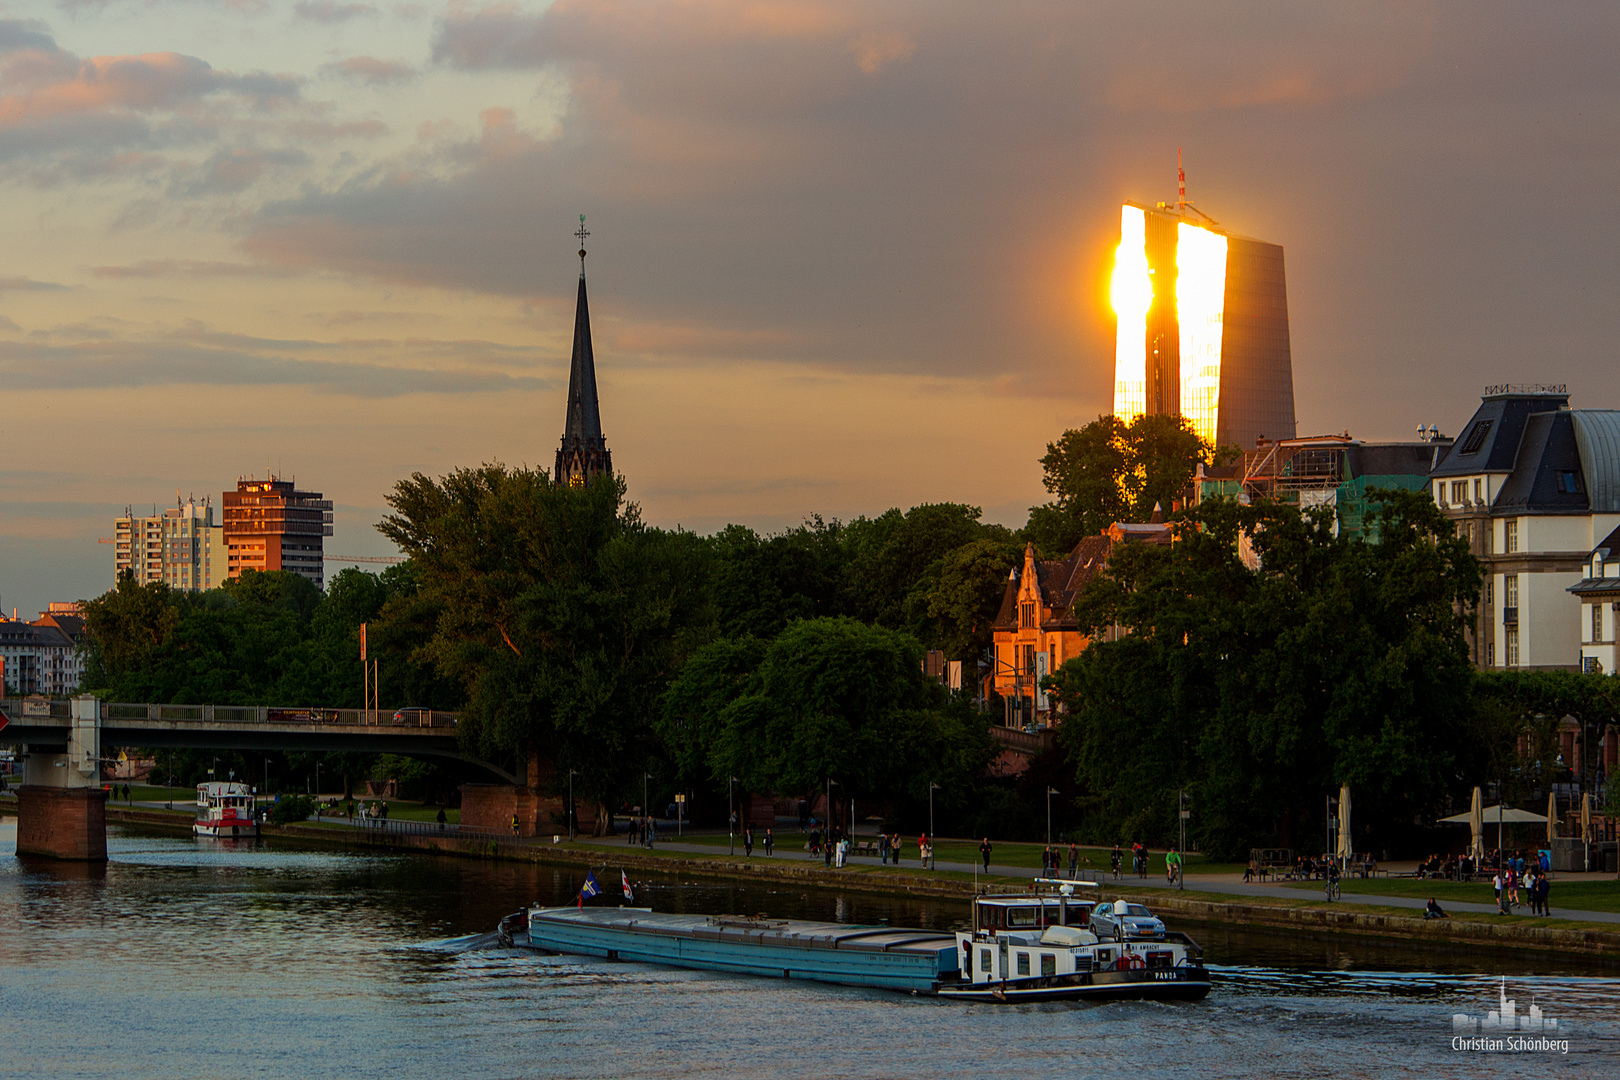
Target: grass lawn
{"points": [[1581, 895]]}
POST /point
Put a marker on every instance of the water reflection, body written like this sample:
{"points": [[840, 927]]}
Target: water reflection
{"points": [[199, 958]]}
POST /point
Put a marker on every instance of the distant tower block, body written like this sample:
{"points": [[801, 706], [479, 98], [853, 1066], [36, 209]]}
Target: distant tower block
{"points": [[1202, 325], [583, 455]]}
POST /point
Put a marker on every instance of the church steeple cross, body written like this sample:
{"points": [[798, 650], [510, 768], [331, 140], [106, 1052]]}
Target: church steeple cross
{"points": [[582, 233]]}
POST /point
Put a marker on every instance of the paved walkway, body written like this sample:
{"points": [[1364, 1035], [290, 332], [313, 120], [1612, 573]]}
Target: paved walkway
{"points": [[1229, 884]]}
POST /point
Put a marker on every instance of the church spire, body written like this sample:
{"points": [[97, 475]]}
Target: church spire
{"points": [[583, 455]]}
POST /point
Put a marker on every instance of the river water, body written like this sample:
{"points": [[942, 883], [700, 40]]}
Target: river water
{"points": [[202, 959]]}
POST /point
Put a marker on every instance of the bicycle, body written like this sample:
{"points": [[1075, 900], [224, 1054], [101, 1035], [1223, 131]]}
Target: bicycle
{"points": [[1333, 892]]}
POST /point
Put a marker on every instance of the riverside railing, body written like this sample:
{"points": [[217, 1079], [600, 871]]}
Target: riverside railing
{"points": [[280, 714], [385, 827]]}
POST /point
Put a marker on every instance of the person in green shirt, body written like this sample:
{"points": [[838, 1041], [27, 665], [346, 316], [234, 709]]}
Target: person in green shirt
{"points": [[1172, 866]]}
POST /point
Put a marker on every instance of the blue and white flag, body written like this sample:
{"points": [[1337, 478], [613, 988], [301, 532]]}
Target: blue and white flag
{"points": [[590, 888]]}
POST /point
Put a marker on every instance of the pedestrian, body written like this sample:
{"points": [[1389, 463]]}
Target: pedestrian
{"points": [[748, 841], [984, 850], [769, 843], [883, 848], [922, 849], [351, 810], [126, 794], [1544, 888], [1501, 898], [827, 851], [895, 848], [514, 824], [1074, 861], [1114, 859], [441, 819], [1512, 876], [651, 834]]}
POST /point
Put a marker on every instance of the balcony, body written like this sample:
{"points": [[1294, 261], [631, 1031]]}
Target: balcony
{"points": [[1510, 616]]}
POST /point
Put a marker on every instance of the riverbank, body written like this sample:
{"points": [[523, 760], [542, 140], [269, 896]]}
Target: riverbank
{"points": [[1356, 916]]}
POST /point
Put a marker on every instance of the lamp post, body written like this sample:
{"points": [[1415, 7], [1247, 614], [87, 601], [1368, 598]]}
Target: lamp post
{"points": [[828, 829], [1050, 791], [731, 814], [932, 787], [571, 774], [1181, 877]]}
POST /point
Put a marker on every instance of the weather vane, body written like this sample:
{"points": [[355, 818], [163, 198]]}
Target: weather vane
{"points": [[582, 234]]}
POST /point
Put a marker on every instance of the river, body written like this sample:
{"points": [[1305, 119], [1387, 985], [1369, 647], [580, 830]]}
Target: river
{"points": [[203, 959]]}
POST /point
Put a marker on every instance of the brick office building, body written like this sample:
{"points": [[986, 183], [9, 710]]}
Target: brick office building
{"points": [[270, 525]]}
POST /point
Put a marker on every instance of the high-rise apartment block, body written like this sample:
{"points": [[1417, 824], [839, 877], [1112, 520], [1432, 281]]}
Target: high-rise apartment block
{"points": [[181, 547], [1203, 326], [270, 525]]}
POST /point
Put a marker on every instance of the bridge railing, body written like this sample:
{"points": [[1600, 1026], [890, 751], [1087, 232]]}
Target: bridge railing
{"points": [[277, 714]]}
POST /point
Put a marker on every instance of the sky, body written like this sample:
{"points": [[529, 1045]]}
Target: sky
{"points": [[843, 256]]}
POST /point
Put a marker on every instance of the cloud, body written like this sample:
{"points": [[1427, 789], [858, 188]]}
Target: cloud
{"points": [[161, 268], [329, 12], [201, 358], [101, 117], [22, 284], [372, 71]]}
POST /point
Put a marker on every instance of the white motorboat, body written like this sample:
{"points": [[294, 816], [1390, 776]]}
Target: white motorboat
{"points": [[225, 810]]}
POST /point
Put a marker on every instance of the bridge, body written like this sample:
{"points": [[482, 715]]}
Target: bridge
{"points": [[61, 805]]}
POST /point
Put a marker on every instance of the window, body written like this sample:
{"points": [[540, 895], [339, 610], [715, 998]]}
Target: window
{"points": [[1488, 583], [1569, 483], [1475, 437], [1023, 963], [1597, 623], [1029, 659], [1026, 614], [984, 958], [1048, 963], [1510, 536], [1510, 591], [1513, 646], [1479, 491], [1440, 492], [1459, 491]]}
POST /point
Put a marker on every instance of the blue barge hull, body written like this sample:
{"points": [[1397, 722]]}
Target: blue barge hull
{"points": [[876, 956]]}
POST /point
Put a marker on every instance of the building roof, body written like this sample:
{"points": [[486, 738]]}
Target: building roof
{"points": [[582, 430], [71, 625], [1396, 458], [1597, 435], [1061, 581], [1489, 442], [1546, 476]]}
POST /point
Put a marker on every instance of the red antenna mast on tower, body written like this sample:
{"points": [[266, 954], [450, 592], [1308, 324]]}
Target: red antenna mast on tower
{"points": [[1181, 182]]}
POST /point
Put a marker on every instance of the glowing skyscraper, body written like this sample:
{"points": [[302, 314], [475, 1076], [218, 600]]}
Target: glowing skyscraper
{"points": [[1203, 326]]}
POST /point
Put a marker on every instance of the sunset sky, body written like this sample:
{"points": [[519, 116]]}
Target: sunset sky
{"points": [[844, 256]]}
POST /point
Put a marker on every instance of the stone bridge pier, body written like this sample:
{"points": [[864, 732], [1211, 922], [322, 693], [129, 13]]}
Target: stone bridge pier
{"points": [[61, 806]]}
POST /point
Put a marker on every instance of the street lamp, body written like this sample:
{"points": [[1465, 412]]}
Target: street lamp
{"points": [[571, 774], [932, 787], [1181, 876], [646, 806], [1050, 791], [828, 829]]}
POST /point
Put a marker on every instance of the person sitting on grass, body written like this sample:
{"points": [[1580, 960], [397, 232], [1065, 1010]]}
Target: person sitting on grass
{"points": [[1433, 911]]}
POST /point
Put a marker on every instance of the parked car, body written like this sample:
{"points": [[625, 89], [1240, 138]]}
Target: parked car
{"points": [[1138, 923]]}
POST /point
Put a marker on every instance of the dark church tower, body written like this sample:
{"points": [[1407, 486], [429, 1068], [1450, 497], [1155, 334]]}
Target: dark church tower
{"points": [[583, 455]]}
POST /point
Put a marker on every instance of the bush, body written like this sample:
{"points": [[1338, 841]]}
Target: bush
{"points": [[291, 808]]}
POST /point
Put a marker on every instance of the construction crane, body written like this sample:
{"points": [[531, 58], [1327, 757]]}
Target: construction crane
{"points": [[365, 558]]}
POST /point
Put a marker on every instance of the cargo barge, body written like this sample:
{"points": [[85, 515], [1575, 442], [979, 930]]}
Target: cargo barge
{"points": [[1022, 947]]}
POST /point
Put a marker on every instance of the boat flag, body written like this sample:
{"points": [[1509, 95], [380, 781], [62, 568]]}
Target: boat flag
{"points": [[589, 889], [624, 879]]}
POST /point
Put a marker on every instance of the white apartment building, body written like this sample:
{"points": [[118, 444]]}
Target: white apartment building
{"points": [[1599, 596], [1535, 486], [181, 547], [38, 659]]}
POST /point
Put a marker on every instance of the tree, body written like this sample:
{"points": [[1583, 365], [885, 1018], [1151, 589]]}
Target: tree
{"points": [[1262, 689], [827, 698], [957, 598], [125, 627], [559, 612], [1110, 471]]}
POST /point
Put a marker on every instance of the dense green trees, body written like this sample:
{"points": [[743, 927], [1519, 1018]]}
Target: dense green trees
{"points": [[1261, 689], [831, 697], [1111, 471]]}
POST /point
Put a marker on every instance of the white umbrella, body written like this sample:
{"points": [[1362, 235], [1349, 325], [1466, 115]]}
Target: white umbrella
{"points": [[1491, 814], [1345, 846]]}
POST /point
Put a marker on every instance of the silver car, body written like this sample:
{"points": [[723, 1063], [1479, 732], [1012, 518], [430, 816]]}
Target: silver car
{"points": [[1137, 922]]}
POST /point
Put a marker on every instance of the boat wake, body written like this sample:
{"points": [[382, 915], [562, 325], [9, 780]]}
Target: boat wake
{"points": [[465, 944]]}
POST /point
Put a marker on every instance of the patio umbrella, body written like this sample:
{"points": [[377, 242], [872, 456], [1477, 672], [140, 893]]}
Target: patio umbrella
{"points": [[1552, 817], [1490, 815], [1345, 846], [1586, 816]]}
